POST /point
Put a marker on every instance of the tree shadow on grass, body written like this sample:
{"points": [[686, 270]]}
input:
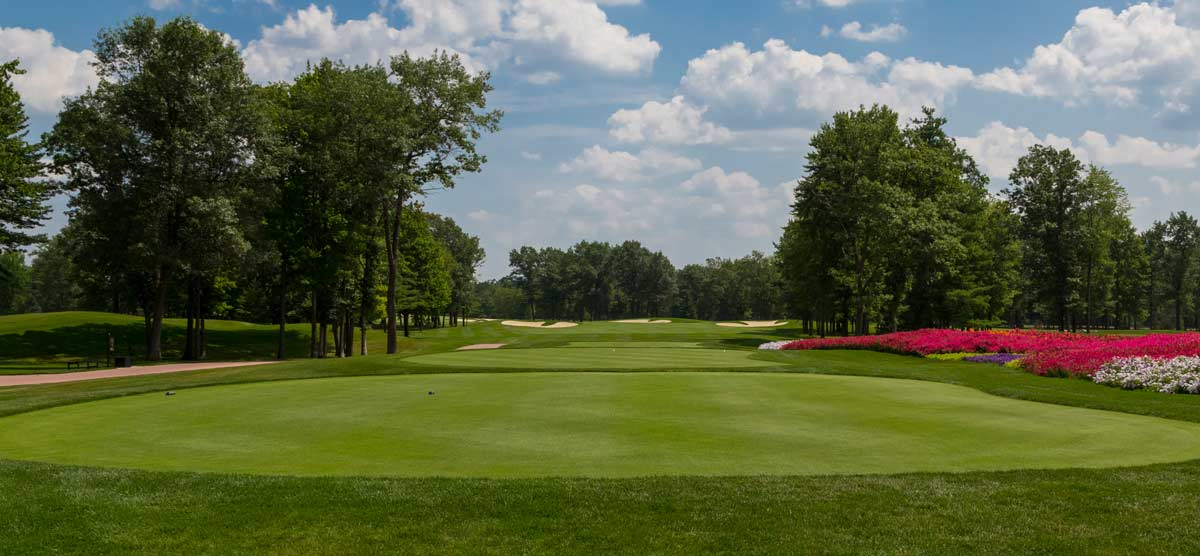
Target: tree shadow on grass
{"points": [[49, 350]]}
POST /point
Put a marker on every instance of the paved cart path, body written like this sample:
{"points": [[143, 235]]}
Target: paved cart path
{"points": [[26, 380]]}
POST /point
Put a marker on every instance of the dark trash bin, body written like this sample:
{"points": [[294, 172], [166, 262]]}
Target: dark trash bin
{"points": [[122, 361]]}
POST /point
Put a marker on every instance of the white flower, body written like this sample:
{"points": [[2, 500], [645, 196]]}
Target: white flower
{"points": [[1175, 375]]}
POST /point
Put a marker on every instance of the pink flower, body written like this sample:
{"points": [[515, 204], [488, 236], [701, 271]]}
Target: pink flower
{"points": [[1047, 353]]}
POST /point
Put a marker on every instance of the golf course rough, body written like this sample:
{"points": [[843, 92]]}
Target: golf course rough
{"points": [[589, 425]]}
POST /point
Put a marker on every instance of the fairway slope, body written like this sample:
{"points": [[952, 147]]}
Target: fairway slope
{"points": [[589, 425]]}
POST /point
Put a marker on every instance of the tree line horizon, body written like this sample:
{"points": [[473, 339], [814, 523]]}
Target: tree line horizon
{"points": [[197, 193]]}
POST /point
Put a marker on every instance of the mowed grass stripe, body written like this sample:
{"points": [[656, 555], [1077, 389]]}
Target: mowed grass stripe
{"points": [[589, 425], [611, 357]]}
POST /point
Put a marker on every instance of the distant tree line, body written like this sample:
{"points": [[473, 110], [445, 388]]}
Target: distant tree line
{"points": [[893, 228], [597, 281], [197, 193]]}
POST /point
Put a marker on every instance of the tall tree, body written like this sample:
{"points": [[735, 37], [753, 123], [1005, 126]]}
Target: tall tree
{"points": [[440, 114], [22, 196], [1048, 187], [1182, 240], [848, 200], [1104, 209], [467, 254], [170, 128]]}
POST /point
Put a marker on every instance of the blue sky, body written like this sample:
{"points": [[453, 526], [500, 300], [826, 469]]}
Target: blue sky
{"points": [[682, 124]]}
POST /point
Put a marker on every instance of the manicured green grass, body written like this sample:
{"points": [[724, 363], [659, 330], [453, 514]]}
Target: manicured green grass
{"points": [[589, 424], [49, 508], [601, 356]]}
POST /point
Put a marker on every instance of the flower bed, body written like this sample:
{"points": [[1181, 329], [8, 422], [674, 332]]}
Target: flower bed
{"points": [[1046, 353], [1174, 375]]}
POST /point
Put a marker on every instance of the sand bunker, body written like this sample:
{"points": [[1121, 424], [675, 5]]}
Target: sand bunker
{"points": [[538, 324], [643, 321], [754, 323], [473, 347]]}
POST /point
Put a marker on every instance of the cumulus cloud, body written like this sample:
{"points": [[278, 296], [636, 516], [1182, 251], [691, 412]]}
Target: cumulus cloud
{"points": [[778, 78], [483, 32], [1145, 54], [997, 147], [675, 122], [622, 166], [531, 155], [52, 71], [854, 30], [711, 206]]}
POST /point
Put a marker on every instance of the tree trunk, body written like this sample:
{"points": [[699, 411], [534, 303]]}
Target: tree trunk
{"points": [[312, 326], [281, 342], [362, 338], [323, 345], [154, 340], [405, 326], [392, 241], [189, 340], [1087, 323]]}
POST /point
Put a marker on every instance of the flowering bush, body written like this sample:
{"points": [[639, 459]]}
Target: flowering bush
{"points": [[1046, 353], [1174, 375]]}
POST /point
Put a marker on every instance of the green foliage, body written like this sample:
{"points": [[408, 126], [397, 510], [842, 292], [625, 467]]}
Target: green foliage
{"points": [[894, 226], [15, 295], [166, 138], [22, 195]]}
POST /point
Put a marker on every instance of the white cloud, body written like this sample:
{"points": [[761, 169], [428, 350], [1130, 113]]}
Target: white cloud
{"points": [[997, 147], [543, 78], [484, 32], [479, 215], [52, 71], [824, 3], [580, 31], [777, 79], [162, 4], [773, 140], [1168, 187], [1141, 55], [891, 32], [531, 155], [616, 3], [674, 122], [622, 166]]}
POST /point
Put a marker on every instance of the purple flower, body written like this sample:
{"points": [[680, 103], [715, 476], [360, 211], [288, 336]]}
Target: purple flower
{"points": [[997, 358]]}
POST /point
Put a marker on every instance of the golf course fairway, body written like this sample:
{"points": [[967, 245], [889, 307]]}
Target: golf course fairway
{"points": [[598, 355], [588, 424]]}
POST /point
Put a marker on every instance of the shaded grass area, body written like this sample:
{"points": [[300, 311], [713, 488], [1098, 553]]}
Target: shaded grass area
{"points": [[73, 510], [44, 342]]}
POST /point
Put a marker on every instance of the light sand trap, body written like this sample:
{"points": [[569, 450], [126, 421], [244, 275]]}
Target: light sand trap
{"points": [[473, 347], [538, 324], [479, 320], [643, 321], [754, 323], [26, 380]]}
